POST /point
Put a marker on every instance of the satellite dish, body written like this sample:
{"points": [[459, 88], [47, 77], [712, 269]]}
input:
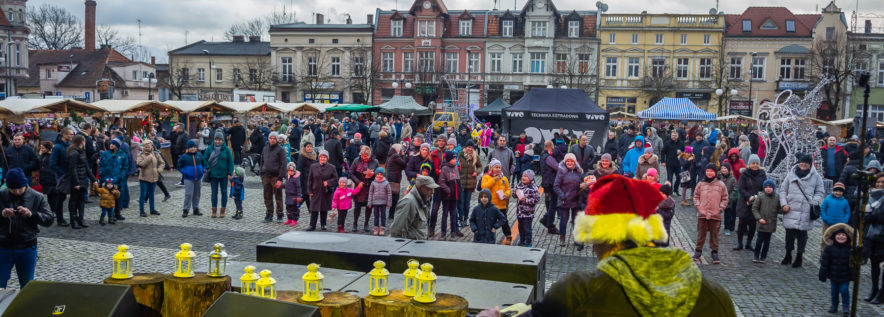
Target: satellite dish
{"points": [[713, 11]]}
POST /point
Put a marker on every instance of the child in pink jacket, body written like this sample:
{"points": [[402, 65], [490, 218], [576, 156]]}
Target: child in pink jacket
{"points": [[342, 200]]}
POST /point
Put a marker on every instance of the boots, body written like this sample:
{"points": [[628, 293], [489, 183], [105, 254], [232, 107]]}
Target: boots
{"points": [[223, 212], [432, 232], [101, 221], [356, 228], [184, 214], [341, 229], [562, 240], [798, 260], [715, 259], [382, 232], [872, 295], [237, 215], [749, 243], [196, 212], [697, 255], [154, 212], [879, 298], [788, 259], [214, 212], [739, 242], [375, 231], [111, 220], [80, 222]]}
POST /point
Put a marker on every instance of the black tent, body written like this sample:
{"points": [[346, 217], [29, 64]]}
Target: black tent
{"points": [[542, 111], [491, 112]]}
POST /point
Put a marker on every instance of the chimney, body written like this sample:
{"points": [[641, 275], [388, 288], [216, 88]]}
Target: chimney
{"points": [[370, 19], [868, 27], [153, 60], [320, 19], [254, 39], [90, 25], [239, 38], [349, 20]]}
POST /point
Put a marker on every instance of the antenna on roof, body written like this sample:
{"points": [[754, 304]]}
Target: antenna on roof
{"points": [[185, 36]]}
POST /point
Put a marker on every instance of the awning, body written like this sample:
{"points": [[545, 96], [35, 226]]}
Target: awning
{"points": [[122, 106], [492, 109], [198, 106], [404, 105], [307, 108], [24, 106], [676, 109], [283, 107], [354, 108], [622, 114], [242, 107], [735, 117]]}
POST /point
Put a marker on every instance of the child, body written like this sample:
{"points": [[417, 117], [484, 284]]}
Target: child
{"points": [[765, 208], [108, 197], [238, 190], [527, 195], [710, 197], [286, 148], [835, 264], [834, 209], [666, 209], [499, 186], [449, 192], [292, 194], [730, 213], [342, 200], [485, 218], [652, 177], [686, 160], [380, 197], [190, 164]]}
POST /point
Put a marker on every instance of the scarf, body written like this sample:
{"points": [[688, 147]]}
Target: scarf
{"points": [[471, 158], [801, 173], [310, 155]]}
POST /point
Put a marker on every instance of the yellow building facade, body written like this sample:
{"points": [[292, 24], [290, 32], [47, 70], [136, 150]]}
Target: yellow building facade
{"points": [[645, 57]]}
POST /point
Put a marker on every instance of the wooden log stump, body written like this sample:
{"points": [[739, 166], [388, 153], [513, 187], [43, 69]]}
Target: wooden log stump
{"points": [[335, 304], [446, 305], [394, 304], [148, 290], [191, 297]]}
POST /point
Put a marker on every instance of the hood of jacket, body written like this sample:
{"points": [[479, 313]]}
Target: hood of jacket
{"points": [[486, 192], [652, 160], [733, 151], [658, 281], [564, 168], [639, 138], [598, 166]]}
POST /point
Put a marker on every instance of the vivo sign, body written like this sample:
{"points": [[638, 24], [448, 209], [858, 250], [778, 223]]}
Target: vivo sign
{"points": [[515, 114]]}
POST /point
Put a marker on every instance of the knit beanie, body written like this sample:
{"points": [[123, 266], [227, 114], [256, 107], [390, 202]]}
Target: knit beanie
{"points": [[380, 170], [291, 166], [15, 178], [273, 134], [753, 159], [649, 150], [425, 145], [190, 143], [449, 155], [452, 141], [116, 142], [606, 156], [839, 186], [239, 171], [666, 189], [652, 172], [323, 152], [494, 162], [688, 149], [804, 158], [528, 172], [769, 182], [570, 156]]}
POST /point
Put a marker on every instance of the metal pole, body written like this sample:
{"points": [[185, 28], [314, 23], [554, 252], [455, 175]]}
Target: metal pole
{"points": [[862, 197]]}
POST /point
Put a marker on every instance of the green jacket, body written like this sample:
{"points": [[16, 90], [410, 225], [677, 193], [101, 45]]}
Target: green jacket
{"points": [[767, 207], [732, 193], [223, 167], [637, 282]]}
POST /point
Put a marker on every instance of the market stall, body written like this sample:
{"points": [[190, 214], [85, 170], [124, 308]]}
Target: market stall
{"points": [[353, 108], [491, 112], [543, 111], [18, 110], [676, 109], [404, 105], [134, 114]]}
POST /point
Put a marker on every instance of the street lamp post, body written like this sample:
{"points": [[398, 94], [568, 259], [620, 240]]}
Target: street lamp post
{"points": [[209, 79], [723, 92], [751, 77], [396, 86], [150, 79]]}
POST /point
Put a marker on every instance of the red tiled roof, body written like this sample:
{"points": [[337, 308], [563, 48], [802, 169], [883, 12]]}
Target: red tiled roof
{"points": [[778, 15], [91, 65], [3, 20]]}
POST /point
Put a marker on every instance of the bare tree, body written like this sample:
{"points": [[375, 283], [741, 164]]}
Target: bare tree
{"points": [[313, 77], [363, 73], [255, 73], [723, 80], [428, 80], [258, 26], [578, 72], [833, 57], [657, 84], [125, 44], [179, 78], [53, 28]]}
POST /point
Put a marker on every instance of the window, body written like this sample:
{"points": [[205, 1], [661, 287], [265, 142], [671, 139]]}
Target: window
{"points": [[473, 63], [237, 76], [747, 25], [134, 75], [311, 41], [538, 28], [426, 61], [451, 63], [880, 73], [396, 28], [612, 38], [517, 62], [219, 75], [466, 27], [387, 62], [705, 68], [684, 39], [48, 73], [632, 67], [634, 38], [426, 28], [574, 29], [800, 68], [538, 62], [658, 38], [875, 111], [828, 64], [583, 63], [286, 70], [707, 39], [17, 54], [311, 65], [790, 25], [758, 68], [561, 63], [861, 66], [736, 68], [200, 74], [496, 59], [681, 70], [335, 66], [507, 28], [407, 62], [334, 41], [144, 74], [785, 68], [830, 34], [611, 67], [358, 66], [253, 75], [658, 67]]}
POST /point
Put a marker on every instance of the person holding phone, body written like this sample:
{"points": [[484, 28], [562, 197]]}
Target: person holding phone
{"points": [[22, 209]]}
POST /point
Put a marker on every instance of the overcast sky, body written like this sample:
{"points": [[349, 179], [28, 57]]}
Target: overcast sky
{"points": [[164, 22]]}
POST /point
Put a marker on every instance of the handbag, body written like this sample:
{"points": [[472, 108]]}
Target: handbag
{"points": [[685, 176], [814, 209], [63, 185]]}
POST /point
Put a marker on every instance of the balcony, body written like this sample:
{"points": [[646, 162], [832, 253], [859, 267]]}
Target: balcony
{"points": [[664, 20]]}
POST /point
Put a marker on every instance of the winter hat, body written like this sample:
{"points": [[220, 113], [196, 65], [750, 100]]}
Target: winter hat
{"points": [[357, 135], [711, 166], [15, 178], [494, 162], [804, 158], [452, 141], [769, 183], [651, 172], [109, 180], [839, 186], [239, 171], [528, 172], [323, 152], [688, 149], [606, 156], [380, 170], [570, 156], [753, 159], [469, 143], [281, 138], [829, 234], [744, 138], [425, 145], [116, 142], [728, 166], [190, 143], [874, 164], [666, 189], [449, 155], [619, 210], [273, 134], [649, 150], [291, 166]]}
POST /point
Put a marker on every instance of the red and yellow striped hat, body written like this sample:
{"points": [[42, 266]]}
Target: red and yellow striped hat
{"points": [[621, 209]]}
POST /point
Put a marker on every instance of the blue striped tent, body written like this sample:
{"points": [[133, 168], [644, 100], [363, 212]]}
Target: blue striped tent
{"points": [[676, 109]]}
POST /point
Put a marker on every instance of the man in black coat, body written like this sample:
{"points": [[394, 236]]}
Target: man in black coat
{"points": [[20, 155], [335, 151], [671, 147], [237, 140], [23, 209], [625, 141], [584, 152], [352, 151], [611, 144], [256, 141]]}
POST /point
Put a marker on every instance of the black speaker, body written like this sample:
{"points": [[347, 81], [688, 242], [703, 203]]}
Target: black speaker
{"points": [[354, 252], [42, 298], [232, 304]]}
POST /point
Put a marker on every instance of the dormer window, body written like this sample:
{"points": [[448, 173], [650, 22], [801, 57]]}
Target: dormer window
{"points": [[790, 25], [768, 25], [573, 28], [396, 28], [747, 25], [507, 27], [466, 27]]}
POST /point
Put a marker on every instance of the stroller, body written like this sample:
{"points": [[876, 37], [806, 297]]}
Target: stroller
{"points": [[252, 161]]}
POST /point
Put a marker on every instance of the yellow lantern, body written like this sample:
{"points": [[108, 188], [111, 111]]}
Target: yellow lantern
{"points": [[312, 284], [266, 285], [184, 259], [122, 263], [247, 282], [411, 278], [218, 261], [378, 279], [426, 284]]}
